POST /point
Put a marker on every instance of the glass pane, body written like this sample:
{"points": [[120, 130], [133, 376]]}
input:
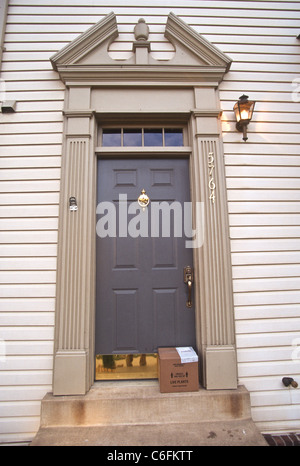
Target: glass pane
{"points": [[111, 137], [173, 137], [126, 366], [153, 137], [132, 137]]}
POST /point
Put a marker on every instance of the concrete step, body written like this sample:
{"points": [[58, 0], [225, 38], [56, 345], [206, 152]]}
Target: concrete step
{"points": [[218, 433], [136, 413]]}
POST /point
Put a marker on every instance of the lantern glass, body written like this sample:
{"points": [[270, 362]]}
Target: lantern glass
{"points": [[243, 109]]}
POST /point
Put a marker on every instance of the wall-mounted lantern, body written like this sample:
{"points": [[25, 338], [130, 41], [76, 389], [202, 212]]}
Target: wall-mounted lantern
{"points": [[243, 110]]}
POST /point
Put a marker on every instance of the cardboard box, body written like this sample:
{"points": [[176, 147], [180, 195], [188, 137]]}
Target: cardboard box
{"points": [[178, 370]]}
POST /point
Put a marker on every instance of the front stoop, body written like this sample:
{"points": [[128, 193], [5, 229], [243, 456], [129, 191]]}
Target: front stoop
{"points": [[137, 414]]}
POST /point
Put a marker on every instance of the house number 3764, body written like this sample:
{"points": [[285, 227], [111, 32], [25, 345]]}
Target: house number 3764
{"points": [[211, 182]]}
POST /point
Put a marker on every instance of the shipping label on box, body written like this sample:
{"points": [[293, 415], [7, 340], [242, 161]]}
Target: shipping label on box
{"points": [[177, 370]]}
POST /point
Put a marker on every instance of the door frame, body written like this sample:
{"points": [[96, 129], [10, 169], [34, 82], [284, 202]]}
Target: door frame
{"points": [[174, 92]]}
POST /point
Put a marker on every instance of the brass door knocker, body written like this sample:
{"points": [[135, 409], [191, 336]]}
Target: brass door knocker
{"points": [[143, 199]]}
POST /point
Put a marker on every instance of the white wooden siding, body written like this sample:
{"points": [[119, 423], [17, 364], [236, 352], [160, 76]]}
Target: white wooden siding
{"points": [[262, 186], [263, 193]]}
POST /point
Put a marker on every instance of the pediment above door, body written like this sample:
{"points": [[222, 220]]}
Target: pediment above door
{"points": [[86, 58]]}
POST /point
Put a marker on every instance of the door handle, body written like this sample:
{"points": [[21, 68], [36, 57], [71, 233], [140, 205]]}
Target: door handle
{"points": [[188, 278]]}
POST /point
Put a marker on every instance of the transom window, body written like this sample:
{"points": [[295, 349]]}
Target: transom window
{"points": [[141, 137]]}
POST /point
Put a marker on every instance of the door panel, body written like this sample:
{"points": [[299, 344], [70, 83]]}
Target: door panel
{"points": [[126, 313], [141, 296]]}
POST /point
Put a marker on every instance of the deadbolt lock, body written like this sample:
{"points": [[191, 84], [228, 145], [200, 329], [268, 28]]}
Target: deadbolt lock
{"points": [[188, 278]]}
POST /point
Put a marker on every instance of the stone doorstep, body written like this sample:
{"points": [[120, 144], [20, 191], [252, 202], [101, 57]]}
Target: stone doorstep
{"points": [[141, 402], [136, 413]]}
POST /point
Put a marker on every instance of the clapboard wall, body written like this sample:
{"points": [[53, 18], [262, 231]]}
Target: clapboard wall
{"points": [[263, 181]]}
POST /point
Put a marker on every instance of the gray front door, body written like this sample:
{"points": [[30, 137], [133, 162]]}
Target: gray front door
{"points": [[141, 294]]}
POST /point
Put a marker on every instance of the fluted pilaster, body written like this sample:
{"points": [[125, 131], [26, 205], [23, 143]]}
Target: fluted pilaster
{"points": [[212, 261], [75, 281]]}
